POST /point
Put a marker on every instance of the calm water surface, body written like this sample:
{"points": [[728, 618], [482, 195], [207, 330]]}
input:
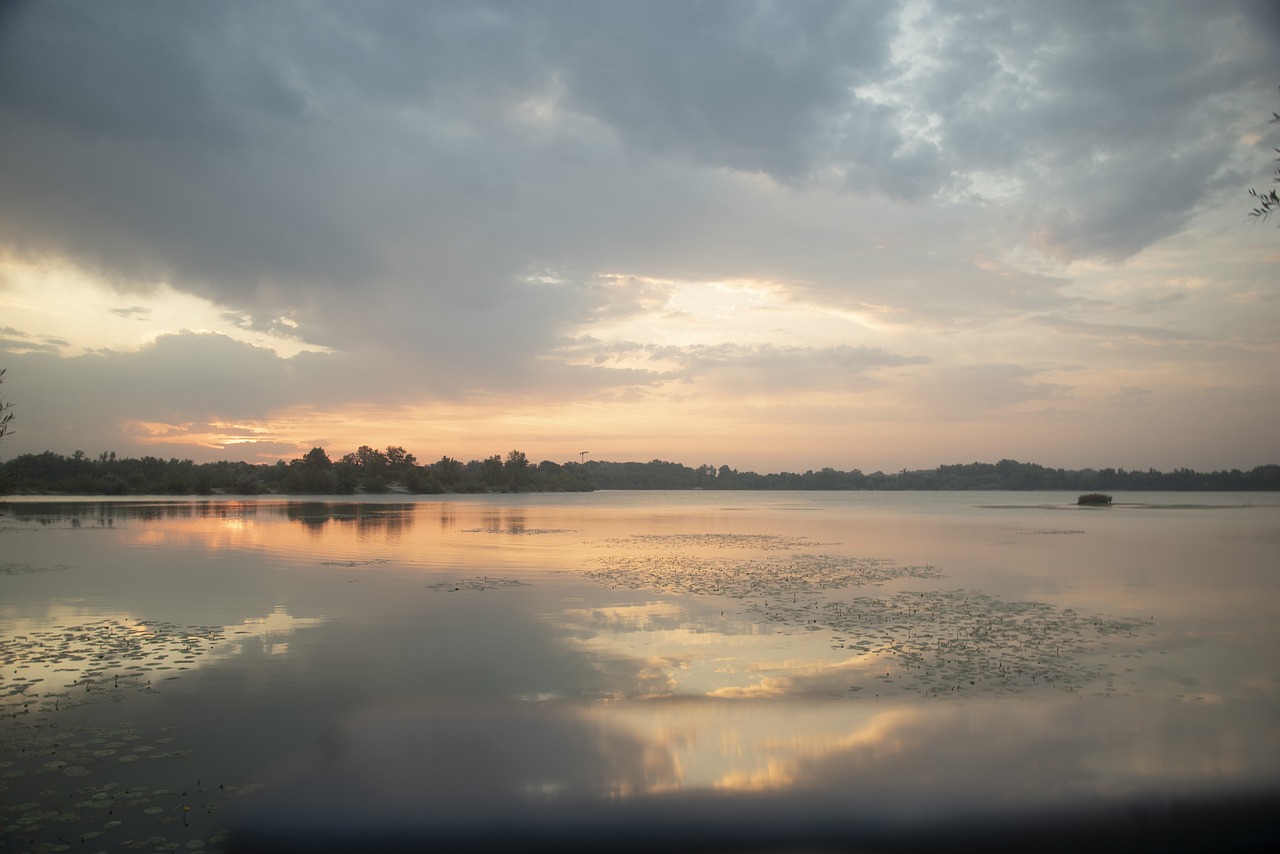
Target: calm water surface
{"points": [[167, 662]]}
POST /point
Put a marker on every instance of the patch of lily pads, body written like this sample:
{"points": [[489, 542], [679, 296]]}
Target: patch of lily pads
{"points": [[60, 773], [60, 814], [932, 642], [741, 566], [11, 568], [519, 531], [947, 642], [63, 667], [475, 584]]}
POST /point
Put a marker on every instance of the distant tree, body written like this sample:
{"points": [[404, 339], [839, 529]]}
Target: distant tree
{"points": [[449, 471], [6, 414], [369, 459], [1268, 201], [492, 473], [317, 458], [517, 467]]}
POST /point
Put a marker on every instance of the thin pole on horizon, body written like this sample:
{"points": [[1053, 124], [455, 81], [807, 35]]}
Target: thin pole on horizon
{"points": [[582, 456]]}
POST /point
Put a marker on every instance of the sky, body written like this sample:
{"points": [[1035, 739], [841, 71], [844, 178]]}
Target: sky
{"points": [[770, 235]]}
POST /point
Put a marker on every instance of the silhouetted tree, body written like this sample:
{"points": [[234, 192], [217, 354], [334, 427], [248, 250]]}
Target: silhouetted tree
{"points": [[369, 459], [517, 467], [449, 471], [317, 458]]}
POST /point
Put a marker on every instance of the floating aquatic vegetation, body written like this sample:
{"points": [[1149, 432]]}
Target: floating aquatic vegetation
{"points": [[63, 667], [930, 642], [1051, 531], [519, 531], [120, 816], [7, 568], [369, 562], [48, 752], [485, 582], [754, 542], [961, 641], [696, 563]]}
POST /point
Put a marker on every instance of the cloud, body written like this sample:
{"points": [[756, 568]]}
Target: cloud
{"points": [[174, 145], [1119, 332], [15, 341], [758, 89], [1115, 123], [747, 368], [967, 392], [437, 198]]}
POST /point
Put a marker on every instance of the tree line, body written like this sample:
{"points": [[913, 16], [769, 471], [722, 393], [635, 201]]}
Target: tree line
{"points": [[370, 471], [365, 470], [1005, 475]]}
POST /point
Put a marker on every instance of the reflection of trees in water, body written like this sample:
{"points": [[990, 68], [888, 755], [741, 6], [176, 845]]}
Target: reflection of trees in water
{"points": [[388, 520], [511, 521], [368, 519], [506, 520], [104, 514]]}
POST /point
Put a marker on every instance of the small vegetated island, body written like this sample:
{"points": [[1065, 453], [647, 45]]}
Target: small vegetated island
{"points": [[371, 471]]}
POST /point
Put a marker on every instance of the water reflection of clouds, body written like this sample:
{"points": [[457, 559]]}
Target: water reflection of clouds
{"points": [[269, 629], [1037, 751], [679, 652], [796, 677], [682, 653], [767, 776], [71, 656], [873, 757], [396, 760], [958, 754], [639, 616]]}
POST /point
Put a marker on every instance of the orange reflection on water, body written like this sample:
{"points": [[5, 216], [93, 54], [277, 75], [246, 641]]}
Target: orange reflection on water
{"points": [[749, 745], [347, 533], [988, 752]]}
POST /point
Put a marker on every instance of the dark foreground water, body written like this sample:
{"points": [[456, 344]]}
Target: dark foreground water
{"points": [[638, 668]]}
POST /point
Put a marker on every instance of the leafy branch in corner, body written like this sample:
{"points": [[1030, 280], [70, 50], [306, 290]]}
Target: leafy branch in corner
{"points": [[1268, 201], [6, 415]]}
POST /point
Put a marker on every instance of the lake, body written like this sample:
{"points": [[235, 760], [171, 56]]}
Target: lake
{"points": [[705, 666]]}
